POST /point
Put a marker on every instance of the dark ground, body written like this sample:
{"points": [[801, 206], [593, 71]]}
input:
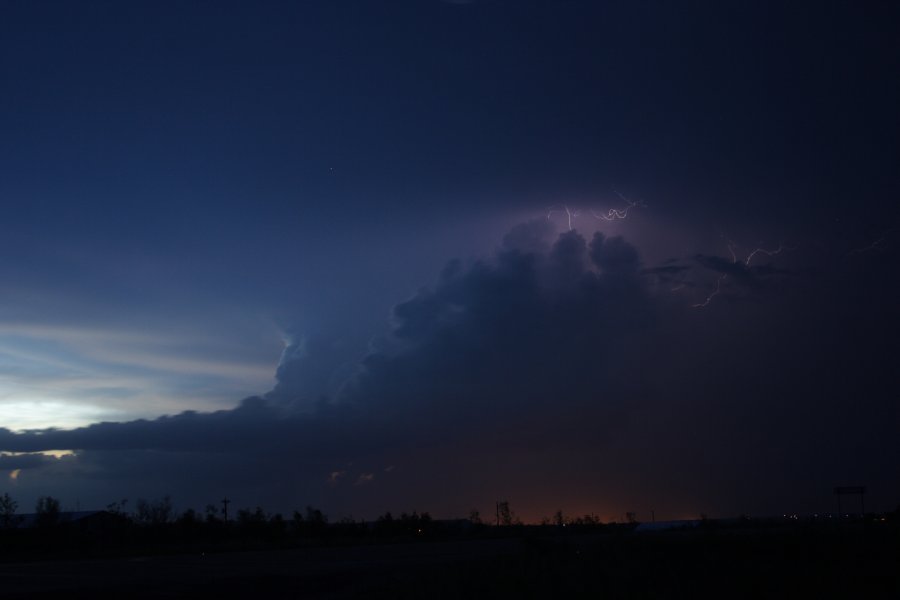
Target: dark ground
{"points": [[841, 561]]}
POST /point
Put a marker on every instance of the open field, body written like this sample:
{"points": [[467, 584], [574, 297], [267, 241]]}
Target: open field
{"points": [[842, 561]]}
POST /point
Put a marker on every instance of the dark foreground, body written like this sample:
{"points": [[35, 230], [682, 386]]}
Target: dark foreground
{"points": [[848, 561]]}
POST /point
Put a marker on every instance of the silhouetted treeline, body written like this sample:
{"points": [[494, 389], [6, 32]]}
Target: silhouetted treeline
{"points": [[154, 526]]}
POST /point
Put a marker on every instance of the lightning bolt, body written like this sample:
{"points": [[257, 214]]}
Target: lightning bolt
{"points": [[762, 251], [885, 238], [734, 261], [712, 294], [719, 280], [570, 214], [613, 214]]}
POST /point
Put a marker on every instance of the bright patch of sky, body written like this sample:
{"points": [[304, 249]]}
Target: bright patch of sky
{"points": [[58, 376]]}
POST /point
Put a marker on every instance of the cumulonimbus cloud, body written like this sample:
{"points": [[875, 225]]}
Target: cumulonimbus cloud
{"points": [[554, 354]]}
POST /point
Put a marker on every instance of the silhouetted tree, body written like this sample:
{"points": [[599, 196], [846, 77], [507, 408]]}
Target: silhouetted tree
{"points": [[251, 522], [297, 522], [416, 524], [212, 514], [504, 514], [246, 516], [47, 509], [153, 512], [349, 526], [188, 518], [314, 515], [117, 508], [315, 523], [384, 525], [8, 508], [277, 525]]}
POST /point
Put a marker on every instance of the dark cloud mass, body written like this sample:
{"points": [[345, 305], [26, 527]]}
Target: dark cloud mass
{"points": [[553, 374]]}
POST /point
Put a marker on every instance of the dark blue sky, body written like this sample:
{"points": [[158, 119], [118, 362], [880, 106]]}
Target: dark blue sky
{"points": [[208, 201]]}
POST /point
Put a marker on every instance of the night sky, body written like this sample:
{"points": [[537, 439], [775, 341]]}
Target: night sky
{"points": [[426, 255]]}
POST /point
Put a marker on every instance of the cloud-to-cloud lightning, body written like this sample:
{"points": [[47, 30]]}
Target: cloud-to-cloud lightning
{"points": [[762, 251], [612, 214], [712, 294], [570, 214], [877, 244], [742, 264]]}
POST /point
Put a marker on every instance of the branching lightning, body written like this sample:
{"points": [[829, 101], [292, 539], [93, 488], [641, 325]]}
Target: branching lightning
{"points": [[570, 214], [613, 214], [618, 213], [734, 260]]}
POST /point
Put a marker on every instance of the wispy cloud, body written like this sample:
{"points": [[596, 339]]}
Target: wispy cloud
{"points": [[65, 376]]}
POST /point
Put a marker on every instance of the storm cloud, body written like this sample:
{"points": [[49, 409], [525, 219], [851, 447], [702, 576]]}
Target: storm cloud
{"points": [[552, 372], [522, 332]]}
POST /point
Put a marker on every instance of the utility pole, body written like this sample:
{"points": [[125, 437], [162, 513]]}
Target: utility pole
{"points": [[225, 502]]}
